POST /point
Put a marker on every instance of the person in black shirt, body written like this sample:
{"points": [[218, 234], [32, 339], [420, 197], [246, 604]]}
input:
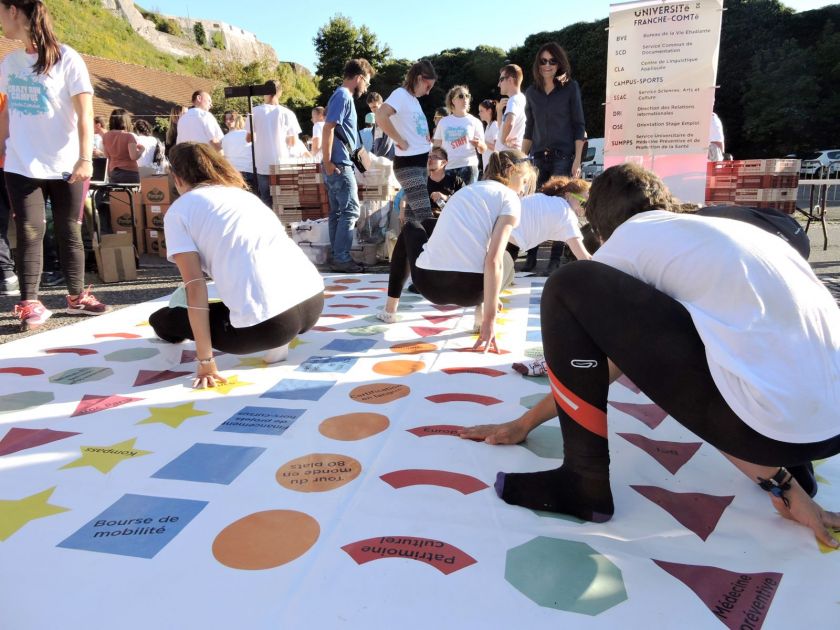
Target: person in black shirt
{"points": [[440, 183]]}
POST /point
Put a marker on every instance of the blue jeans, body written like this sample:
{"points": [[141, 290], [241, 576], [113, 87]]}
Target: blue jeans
{"points": [[264, 189], [343, 193], [468, 173]]}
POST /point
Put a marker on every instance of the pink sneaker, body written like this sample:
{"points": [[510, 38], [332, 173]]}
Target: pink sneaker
{"points": [[86, 304], [32, 314]]}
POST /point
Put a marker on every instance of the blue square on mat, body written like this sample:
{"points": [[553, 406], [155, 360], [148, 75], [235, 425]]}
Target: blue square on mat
{"points": [[210, 463], [534, 335], [135, 525], [327, 364], [299, 389], [262, 420], [535, 299], [350, 345]]}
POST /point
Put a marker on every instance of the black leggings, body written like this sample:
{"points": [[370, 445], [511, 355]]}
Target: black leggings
{"points": [[439, 287], [173, 325], [27, 198], [591, 311]]}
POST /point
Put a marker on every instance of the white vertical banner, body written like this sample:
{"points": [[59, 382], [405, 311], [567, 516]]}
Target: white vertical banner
{"points": [[661, 72]]}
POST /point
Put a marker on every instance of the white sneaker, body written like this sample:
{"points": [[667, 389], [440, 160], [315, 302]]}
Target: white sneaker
{"points": [[388, 318], [276, 355]]}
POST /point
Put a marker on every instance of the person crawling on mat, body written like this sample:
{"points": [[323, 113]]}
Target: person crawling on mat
{"points": [[458, 258], [719, 322], [270, 292]]}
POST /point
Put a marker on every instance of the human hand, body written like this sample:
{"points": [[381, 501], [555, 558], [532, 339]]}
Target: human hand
{"points": [[487, 337], [207, 375], [512, 432], [805, 511], [402, 145], [436, 195], [329, 168], [576, 168], [82, 170]]}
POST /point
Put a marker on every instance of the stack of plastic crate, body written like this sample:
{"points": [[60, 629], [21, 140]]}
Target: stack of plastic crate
{"points": [[298, 192], [769, 183]]}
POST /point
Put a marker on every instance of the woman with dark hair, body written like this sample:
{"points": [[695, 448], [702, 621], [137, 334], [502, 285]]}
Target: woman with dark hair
{"points": [[487, 115], [46, 135], [554, 124], [218, 228], [721, 323], [403, 120], [152, 157], [122, 149], [172, 132], [459, 258]]}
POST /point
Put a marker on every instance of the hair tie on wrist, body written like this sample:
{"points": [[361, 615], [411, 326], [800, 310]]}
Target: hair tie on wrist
{"points": [[778, 484]]}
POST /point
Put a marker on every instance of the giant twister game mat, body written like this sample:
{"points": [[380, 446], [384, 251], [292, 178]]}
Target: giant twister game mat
{"points": [[330, 491]]}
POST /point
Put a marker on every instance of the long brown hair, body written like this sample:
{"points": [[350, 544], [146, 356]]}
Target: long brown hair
{"points": [[174, 114], [422, 68], [40, 31], [563, 74], [500, 165], [560, 185], [197, 163]]}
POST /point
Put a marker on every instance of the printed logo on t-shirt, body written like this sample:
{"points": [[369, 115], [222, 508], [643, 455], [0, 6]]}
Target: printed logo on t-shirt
{"points": [[27, 96], [456, 136], [421, 125]]}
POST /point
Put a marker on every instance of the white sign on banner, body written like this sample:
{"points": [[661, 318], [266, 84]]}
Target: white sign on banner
{"points": [[662, 66]]}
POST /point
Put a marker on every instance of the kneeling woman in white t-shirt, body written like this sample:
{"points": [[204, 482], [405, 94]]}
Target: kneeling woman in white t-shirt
{"points": [[459, 257], [721, 323], [269, 290]]}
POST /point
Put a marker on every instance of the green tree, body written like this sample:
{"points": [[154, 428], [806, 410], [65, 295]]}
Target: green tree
{"points": [[218, 40], [200, 34]]}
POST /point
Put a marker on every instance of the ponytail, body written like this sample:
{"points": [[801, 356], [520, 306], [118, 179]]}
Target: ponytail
{"points": [[40, 32], [500, 165]]}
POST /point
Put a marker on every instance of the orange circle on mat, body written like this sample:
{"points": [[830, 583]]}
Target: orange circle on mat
{"points": [[347, 281], [379, 393], [335, 287], [412, 347], [318, 472], [354, 426], [266, 540], [398, 367]]}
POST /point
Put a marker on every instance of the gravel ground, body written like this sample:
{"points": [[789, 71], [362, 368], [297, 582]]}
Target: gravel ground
{"points": [[156, 277]]}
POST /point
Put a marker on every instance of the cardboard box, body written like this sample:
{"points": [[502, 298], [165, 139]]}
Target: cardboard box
{"points": [[121, 216], [156, 243], [154, 215], [115, 257], [158, 189]]}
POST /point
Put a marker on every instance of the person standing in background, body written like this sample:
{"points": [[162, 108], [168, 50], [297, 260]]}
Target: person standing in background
{"points": [[461, 134], [198, 124], [511, 110], [172, 132], [317, 132], [122, 149], [383, 146], [9, 283], [487, 114], [237, 150]]}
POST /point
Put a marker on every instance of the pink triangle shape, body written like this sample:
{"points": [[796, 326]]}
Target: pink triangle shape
{"points": [[188, 356], [439, 319], [672, 455], [698, 512], [649, 413], [629, 384], [445, 308], [428, 331], [731, 596], [21, 439], [147, 377], [91, 403]]}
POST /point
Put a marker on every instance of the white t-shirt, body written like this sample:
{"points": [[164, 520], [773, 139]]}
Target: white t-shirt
{"points": [[43, 138], [770, 327], [455, 133], [197, 125], [716, 130], [516, 107], [463, 230], [491, 134], [237, 150], [272, 125], [544, 218], [149, 144], [259, 271], [410, 122], [318, 132]]}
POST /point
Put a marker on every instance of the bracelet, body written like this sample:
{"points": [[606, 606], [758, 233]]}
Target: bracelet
{"points": [[206, 361], [778, 484], [86, 159]]}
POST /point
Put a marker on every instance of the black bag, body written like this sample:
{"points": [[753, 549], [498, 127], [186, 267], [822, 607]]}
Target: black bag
{"points": [[358, 156]]}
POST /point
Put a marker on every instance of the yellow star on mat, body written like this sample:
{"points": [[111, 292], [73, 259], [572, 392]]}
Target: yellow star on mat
{"points": [[146, 323], [14, 514], [173, 416], [257, 362], [826, 548], [105, 458], [501, 321], [232, 383], [294, 343]]}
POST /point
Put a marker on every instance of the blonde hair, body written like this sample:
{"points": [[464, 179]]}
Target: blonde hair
{"points": [[197, 163], [502, 164], [238, 121], [452, 93]]}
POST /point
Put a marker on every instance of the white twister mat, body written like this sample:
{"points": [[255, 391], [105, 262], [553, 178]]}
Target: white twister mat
{"points": [[330, 490]]}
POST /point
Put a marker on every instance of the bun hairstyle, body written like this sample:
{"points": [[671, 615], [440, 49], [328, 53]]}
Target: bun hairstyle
{"points": [[196, 163], [502, 164], [41, 32]]}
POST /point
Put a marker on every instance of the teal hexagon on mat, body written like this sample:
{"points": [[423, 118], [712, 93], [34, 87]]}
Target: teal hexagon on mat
{"points": [[565, 575], [535, 352], [545, 442], [531, 400]]}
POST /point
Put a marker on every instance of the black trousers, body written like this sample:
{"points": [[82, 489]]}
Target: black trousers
{"points": [[439, 287], [173, 325]]}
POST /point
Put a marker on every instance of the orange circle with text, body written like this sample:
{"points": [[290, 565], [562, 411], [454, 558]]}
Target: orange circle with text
{"points": [[318, 472], [354, 426], [266, 540], [379, 393], [398, 367], [347, 281], [413, 347]]}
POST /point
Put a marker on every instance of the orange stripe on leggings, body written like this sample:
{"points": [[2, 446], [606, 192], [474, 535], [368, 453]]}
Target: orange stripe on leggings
{"points": [[589, 417]]}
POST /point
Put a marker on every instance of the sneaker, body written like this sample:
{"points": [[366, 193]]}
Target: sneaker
{"points": [[537, 367], [388, 318], [52, 279], [32, 314], [346, 267], [10, 286], [276, 355], [86, 304]]}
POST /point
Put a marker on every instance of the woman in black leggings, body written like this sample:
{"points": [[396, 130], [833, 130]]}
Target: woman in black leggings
{"points": [[744, 351]]}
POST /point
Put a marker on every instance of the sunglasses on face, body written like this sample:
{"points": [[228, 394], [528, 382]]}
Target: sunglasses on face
{"points": [[548, 61], [464, 96]]}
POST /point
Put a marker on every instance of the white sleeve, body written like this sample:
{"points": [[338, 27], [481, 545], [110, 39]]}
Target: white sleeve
{"points": [[4, 78], [178, 239], [318, 130], [293, 125], [511, 206], [439, 131], [395, 100], [77, 79], [716, 129]]}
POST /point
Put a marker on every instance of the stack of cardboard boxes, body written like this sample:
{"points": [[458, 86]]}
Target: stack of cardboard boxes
{"points": [[298, 192], [157, 194], [754, 183]]}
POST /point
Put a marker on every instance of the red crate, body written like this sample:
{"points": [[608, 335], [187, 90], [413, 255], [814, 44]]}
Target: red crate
{"points": [[768, 181]]}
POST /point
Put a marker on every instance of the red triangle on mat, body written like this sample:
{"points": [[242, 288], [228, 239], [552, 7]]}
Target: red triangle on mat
{"points": [[21, 439], [737, 599], [698, 512], [147, 377], [649, 413], [629, 384], [439, 319], [672, 455], [428, 331], [445, 308], [91, 403]]}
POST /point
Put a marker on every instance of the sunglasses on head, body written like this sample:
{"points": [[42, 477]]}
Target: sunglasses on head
{"points": [[548, 62]]}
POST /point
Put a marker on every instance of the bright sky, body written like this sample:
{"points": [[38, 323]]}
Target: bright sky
{"points": [[411, 29]]}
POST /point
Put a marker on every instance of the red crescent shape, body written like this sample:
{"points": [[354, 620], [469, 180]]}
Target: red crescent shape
{"points": [[442, 556], [21, 371], [474, 370], [323, 329], [80, 351], [117, 336], [464, 484], [456, 397], [336, 315], [360, 297]]}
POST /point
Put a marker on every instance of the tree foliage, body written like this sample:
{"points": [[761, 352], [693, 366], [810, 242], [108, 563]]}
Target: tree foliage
{"points": [[200, 34]]}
